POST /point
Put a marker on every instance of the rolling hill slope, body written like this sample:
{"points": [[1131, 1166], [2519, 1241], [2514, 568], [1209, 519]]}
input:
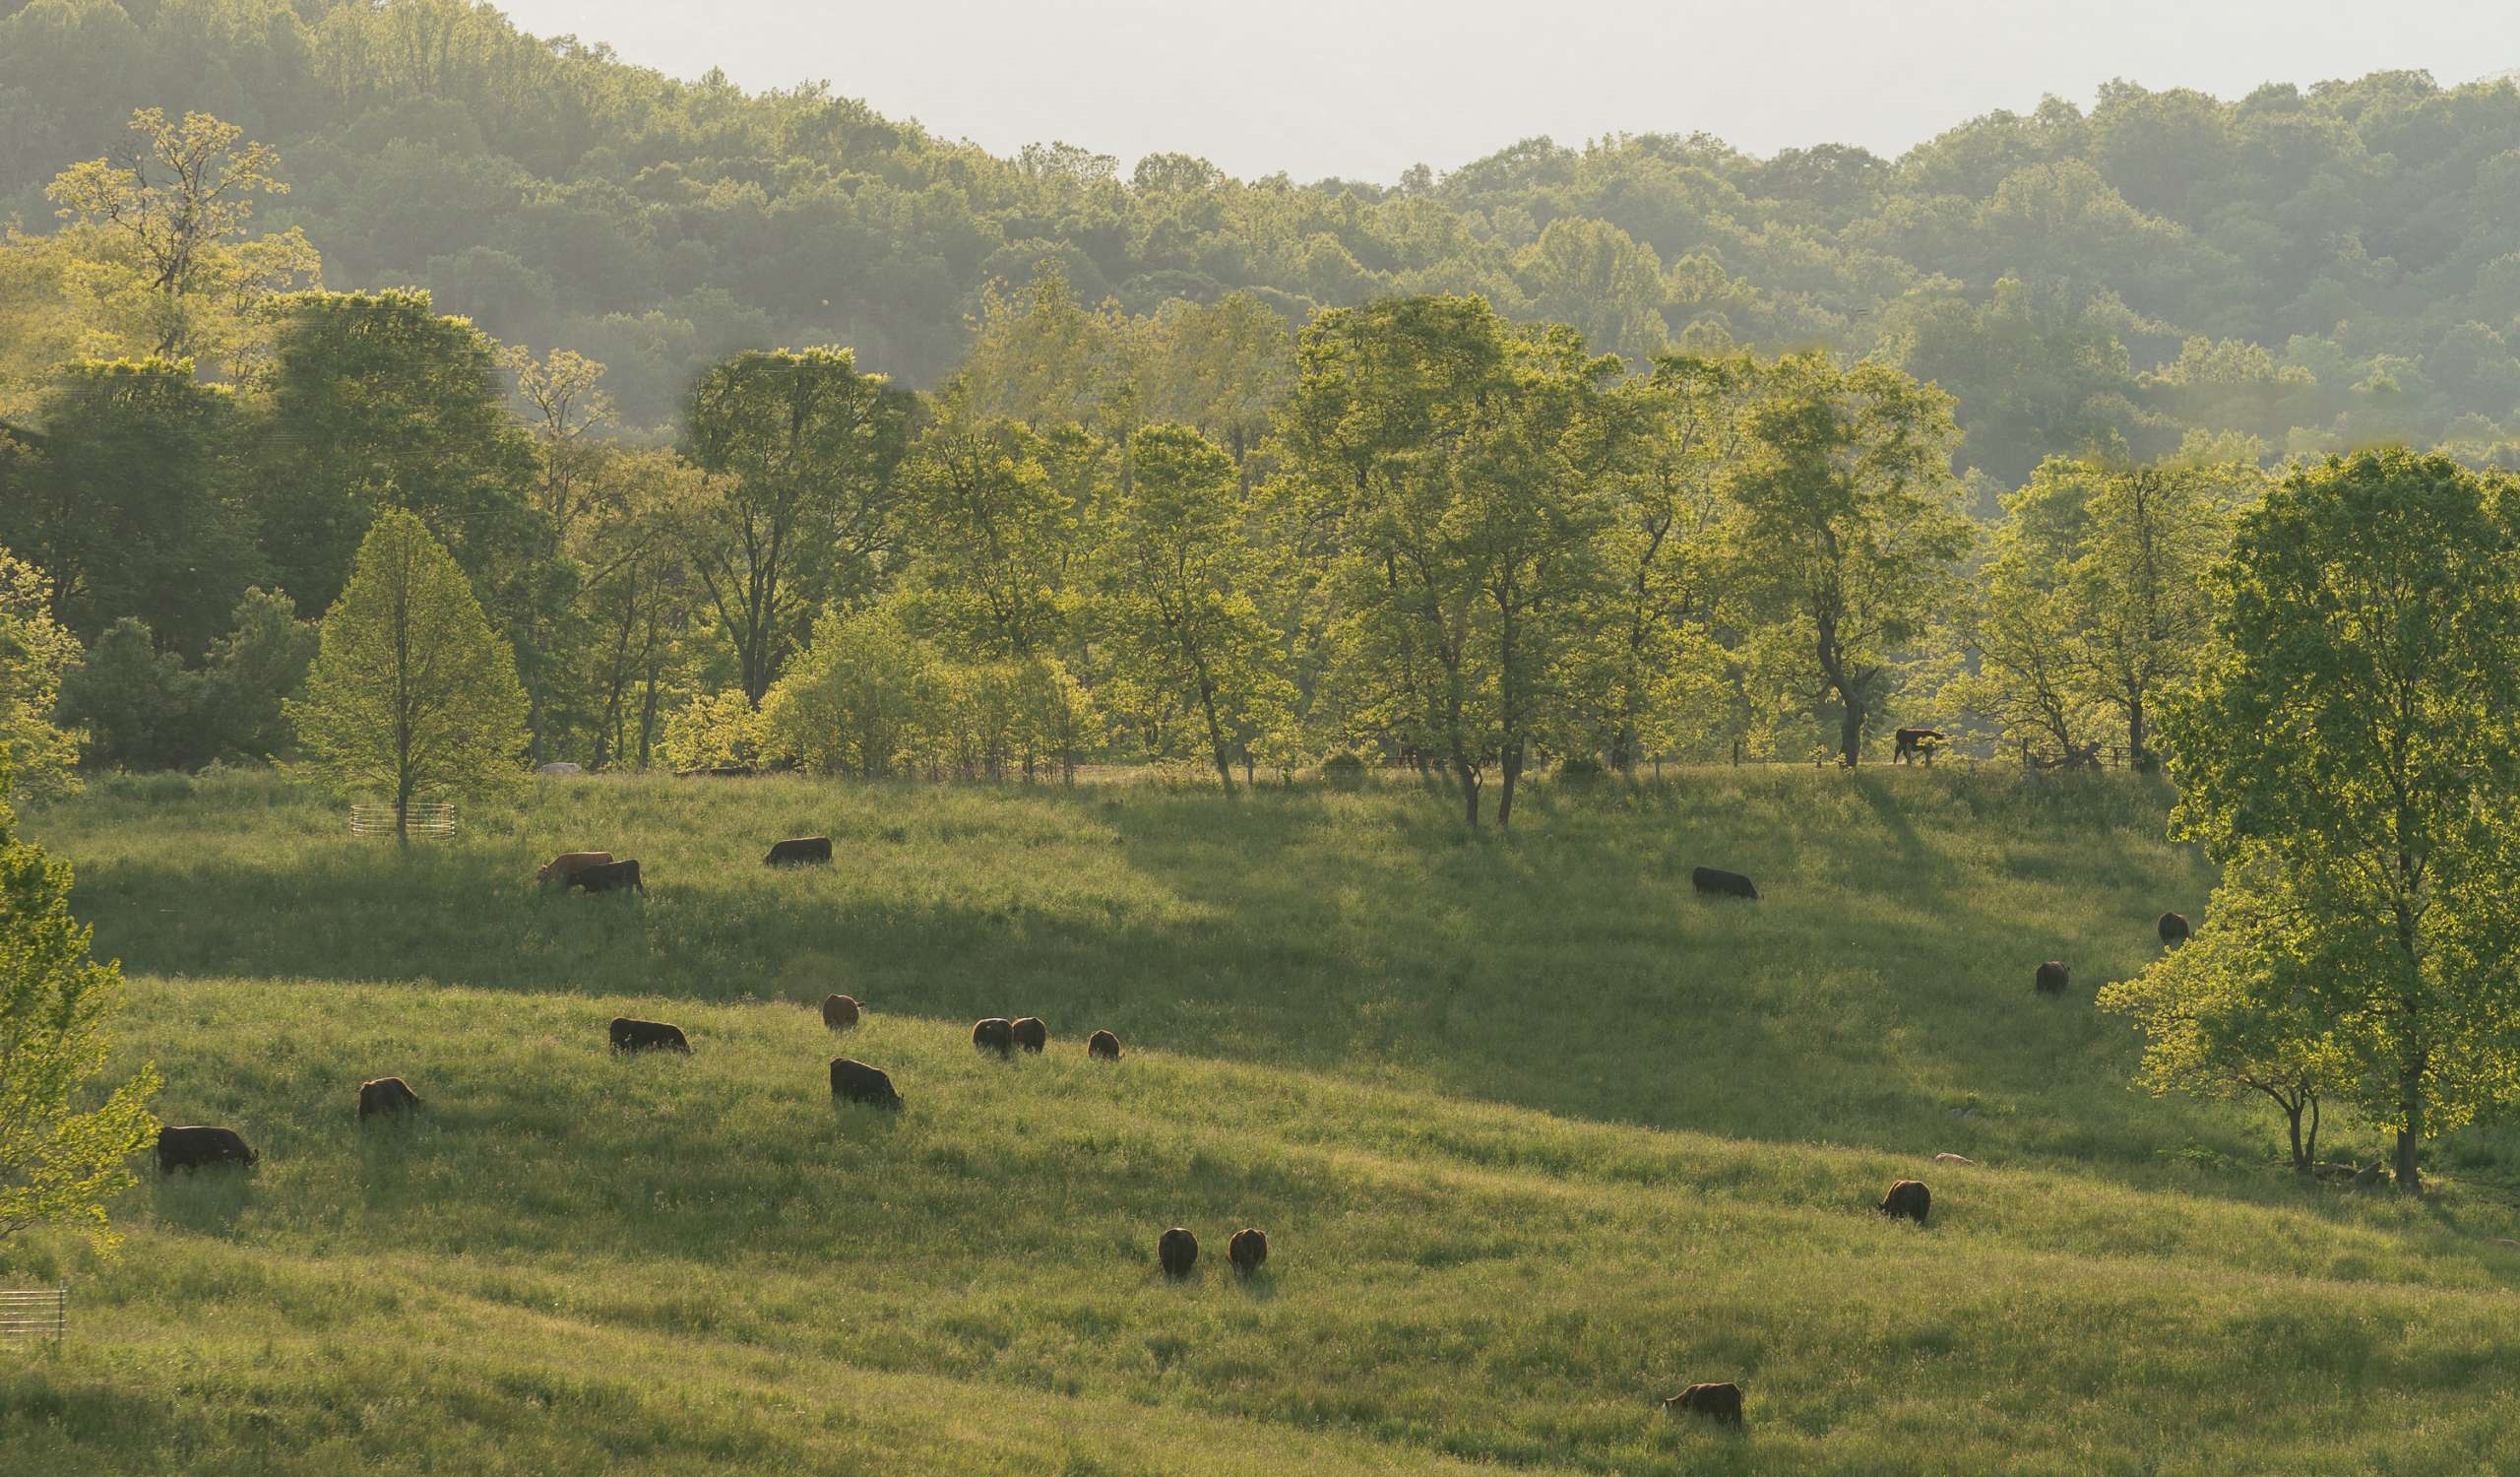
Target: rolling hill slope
{"points": [[1537, 1137]]}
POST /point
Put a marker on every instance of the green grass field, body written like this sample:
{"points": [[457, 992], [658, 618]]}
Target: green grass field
{"points": [[1537, 1137]]}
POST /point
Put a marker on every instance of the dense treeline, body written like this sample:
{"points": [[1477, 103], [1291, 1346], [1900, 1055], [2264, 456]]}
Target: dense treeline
{"points": [[1414, 532], [2296, 270]]}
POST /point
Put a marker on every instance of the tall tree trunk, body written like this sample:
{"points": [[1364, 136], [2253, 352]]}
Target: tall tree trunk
{"points": [[2410, 1178], [2138, 756], [1511, 762]]}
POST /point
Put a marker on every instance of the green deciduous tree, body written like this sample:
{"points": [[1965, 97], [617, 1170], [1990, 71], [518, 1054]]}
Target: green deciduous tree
{"points": [[1850, 520], [799, 447], [413, 693], [179, 201], [854, 700], [2235, 1013], [34, 653], [1182, 583], [139, 707], [380, 402], [252, 673], [129, 501], [60, 1162], [2354, 741]]}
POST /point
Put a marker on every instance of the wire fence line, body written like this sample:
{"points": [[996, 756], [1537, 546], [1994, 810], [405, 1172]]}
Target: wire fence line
{"points": [[433, 822], [35, 1312]]}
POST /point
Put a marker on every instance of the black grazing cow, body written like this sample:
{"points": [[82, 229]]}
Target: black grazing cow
{"points": [[611, 876], [995, 1034], [1715, 1402], [194, 1147], [798, 851], [1248, 1250], [2054, 977], [1908, 1198], [1712, 883], [385, 1097], [1030, 1032], [1103, 1046], [647, 1036], [1915, 745], [840, 1011], [2174, 929], [857, 1082], [1178, 1251]]}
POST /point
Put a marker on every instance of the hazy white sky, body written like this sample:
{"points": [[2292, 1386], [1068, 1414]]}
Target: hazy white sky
{"points": [[1366, 88]]}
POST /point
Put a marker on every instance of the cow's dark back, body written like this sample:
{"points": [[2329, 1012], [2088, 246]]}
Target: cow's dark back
{"points": [[840, 1011], [612, 877], [386, 1096], [1030, 1032], [1715, 1402], [1103, 1046], [995, 1034], [1714, 883], [857, 1082], [2054, 977], [629, 1035], [1248, 1248], [1909, 1199], [193, 1146], [2174, 929], [1176, 1251], [798, 851]]}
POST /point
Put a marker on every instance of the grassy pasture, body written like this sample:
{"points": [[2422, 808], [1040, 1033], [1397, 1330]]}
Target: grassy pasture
{"points": [[1537, 1136]]}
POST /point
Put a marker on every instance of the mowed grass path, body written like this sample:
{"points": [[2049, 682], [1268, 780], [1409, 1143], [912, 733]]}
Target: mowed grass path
{"points": [[1537, 1136]]}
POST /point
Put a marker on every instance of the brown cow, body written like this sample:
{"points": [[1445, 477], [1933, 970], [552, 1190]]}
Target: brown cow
{"points": [[995, 1034], [840, 1011], [857, 1082], [1248, 1248], [568, 865], [2174, 929], [608, 876], [194, 1147], [1715, 1402], [1029, 1034], [1178, 1251], [386, 1096], [1103, 1046], [2053, 977], [1910, 1198], [630, 1035]]}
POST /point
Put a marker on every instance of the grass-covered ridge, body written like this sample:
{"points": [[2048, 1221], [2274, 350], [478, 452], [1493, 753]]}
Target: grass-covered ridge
{"points": [[1537, 1136]]}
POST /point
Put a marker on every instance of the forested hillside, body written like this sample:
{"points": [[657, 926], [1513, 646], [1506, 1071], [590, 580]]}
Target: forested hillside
{"points": [[2307, 268]]}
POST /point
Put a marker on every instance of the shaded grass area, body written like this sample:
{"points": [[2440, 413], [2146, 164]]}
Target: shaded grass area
{"points": [[1538, 1136], [1881, 987]]}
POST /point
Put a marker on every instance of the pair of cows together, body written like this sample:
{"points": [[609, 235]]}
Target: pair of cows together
{"points": [[850, 1080], [192, 1146], [598, 872], [1908, 1200], [1177, 1251], [2054, 977]]}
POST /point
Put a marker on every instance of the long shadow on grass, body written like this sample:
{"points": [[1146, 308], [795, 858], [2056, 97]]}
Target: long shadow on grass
{"points": [[1877, 994]]}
